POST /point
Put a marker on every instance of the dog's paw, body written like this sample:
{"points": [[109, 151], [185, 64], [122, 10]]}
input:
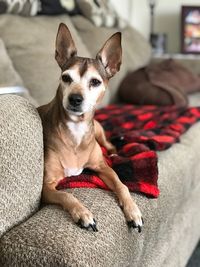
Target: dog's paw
{"points": [[84, 218], [133, 215], [89, 226], [133, 224]]}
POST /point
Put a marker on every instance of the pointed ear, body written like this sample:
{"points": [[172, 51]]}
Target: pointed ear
{"points": [[111, 54], [65, 47]]}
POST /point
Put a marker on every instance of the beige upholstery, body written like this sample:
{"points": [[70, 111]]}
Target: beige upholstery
{"points": [[8, 75], [50, 238], [21, 161]]}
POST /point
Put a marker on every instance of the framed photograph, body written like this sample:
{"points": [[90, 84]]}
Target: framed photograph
{"points": [[190, 29]]}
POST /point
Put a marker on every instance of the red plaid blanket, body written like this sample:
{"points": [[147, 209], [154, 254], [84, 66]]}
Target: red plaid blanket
{"points": [[137, 132]]}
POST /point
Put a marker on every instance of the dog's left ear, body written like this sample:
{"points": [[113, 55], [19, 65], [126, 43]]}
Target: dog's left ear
{"points": [[111, 54], [65, 47]]}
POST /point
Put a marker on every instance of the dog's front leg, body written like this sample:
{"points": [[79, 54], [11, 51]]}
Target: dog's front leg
{"points": [[128, 205], [111, 179], [80, 214], [101, 138]]}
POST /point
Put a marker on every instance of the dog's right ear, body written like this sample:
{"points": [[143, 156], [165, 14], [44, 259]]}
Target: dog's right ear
{"points": [[65, 47], [111, 54]]}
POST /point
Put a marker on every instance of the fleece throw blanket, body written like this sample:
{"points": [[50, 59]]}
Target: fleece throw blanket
{"points": [[137, 132]]}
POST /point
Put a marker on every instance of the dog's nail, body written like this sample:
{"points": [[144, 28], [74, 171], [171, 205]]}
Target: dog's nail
{"points": [[91, 225], [94, 227], [142, 220], [121, 207], [131, 224]]}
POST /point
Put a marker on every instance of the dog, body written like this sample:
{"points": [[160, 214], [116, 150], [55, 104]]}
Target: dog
{"points": [[72, 138]]}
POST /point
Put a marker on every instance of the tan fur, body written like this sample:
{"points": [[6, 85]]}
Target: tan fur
{"points": [[62, 152]]}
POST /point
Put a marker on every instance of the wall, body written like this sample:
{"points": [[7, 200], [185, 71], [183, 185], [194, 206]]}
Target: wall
{"points": [[167, 17], [123, 7]]}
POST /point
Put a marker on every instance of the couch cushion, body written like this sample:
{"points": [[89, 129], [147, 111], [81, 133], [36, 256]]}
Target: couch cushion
{"points": [[21, 160], [8, 75], [10, 78], [33, 53], [50, 238], [136, 51]]}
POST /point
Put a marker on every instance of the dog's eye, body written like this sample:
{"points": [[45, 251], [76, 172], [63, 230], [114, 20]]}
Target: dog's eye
{"points": [[95, 82], [66, 78]]}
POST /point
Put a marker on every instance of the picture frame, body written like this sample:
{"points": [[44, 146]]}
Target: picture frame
{"points": [[190, 29]]}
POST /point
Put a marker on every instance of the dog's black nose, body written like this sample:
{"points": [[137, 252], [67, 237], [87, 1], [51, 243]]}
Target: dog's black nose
{"points": [[75, 100]]}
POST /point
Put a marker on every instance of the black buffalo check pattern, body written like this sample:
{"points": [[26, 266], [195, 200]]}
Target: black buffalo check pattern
{"points": [[137, 132]]}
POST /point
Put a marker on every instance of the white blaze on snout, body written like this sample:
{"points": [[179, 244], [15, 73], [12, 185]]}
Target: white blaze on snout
{"points": [[90, 93], [68, 88]]}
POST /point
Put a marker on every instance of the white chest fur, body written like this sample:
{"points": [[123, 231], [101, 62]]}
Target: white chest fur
{"points": [[72, 171], [78, 130]]}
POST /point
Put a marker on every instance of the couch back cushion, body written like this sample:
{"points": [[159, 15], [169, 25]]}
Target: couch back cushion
{"points": [[21, 161], [10, 80], [8, 75], [30, 43]]}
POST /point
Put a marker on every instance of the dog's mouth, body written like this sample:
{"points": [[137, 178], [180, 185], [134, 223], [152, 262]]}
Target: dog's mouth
{"points": [[74, 111]]}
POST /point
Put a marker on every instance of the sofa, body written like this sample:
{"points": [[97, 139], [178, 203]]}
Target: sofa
{"points": [[32, 234]]}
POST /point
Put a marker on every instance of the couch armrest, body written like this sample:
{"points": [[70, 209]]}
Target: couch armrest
{"points": [[21, 160]]}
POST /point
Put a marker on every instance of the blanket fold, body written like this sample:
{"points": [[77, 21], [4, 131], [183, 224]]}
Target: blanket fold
{"points": [[137, 132]]}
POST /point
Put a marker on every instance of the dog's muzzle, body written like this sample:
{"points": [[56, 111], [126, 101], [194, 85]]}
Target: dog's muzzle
{"points": [[75, 101]]}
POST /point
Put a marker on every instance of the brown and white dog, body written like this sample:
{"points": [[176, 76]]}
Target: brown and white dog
{"points": [[72, 138]]}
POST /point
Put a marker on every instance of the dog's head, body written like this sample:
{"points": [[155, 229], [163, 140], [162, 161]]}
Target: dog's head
{"points": [[84, 80]]}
